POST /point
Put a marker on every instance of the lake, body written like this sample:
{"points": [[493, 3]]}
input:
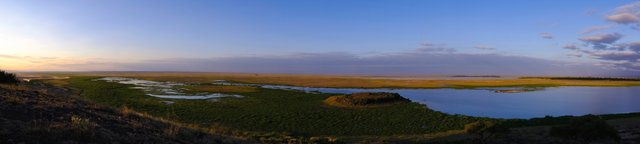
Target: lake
{"points": [[483, 102], [552, 101]]}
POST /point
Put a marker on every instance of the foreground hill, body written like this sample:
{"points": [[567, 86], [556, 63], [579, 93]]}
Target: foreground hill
{"points": [[35, 113]]}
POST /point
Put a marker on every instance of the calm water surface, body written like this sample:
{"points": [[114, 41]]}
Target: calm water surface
{"points": [[555, 101]]}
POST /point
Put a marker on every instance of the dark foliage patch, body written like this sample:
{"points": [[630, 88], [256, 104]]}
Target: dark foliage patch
{"points": [[8, 78], [587, 128]]}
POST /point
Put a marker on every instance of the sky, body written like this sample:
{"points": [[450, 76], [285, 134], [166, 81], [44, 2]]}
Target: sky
{"points": [[373, 37]]}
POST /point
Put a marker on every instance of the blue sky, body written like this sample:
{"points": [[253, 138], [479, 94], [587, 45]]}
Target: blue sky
{"points": [[159, 35]]}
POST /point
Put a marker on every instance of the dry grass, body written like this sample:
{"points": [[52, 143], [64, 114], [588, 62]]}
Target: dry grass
{"points": [[14, 87], [354, 81], [57, 82], [333, 101], [125, 111], [82, 123]]}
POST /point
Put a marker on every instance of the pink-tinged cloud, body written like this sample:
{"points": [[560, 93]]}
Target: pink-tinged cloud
{"points": [[623, 18], [626, 14], [596, 28], [570, 47]]}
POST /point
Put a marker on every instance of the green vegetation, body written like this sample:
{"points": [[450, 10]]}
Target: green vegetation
{"points": [[8, 78], [485, 130], [280, 116], [562, 120], [586, 128], [280, 111], [37, 113], [366, 99]]}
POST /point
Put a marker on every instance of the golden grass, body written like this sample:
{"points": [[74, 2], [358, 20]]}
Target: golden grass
{"points": [[14, 87], [220, 89], [57, 82], [332, 101], [354, 81]]}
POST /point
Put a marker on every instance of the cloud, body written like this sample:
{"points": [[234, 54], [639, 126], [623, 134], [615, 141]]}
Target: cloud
{"points": [[629, 65], [546, 35], [634, 46], [575, 55], [570, 47], [388, 64], [626, 14], [435, 48], [602, 41], [9, 56], [40, 63], [603, 38], [485, 47], [623, 18], [595, 28], [618, 56], [607, 48]]}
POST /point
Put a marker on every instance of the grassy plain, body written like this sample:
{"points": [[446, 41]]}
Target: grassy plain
{"points": [[358, 81], [281, 111]]}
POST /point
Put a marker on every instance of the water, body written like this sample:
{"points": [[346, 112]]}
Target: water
{"points": [[166, 90], [554, 101]]}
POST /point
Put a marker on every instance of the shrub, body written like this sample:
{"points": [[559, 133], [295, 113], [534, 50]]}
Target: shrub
{"points": [[485, 130], [372, 98], [8, 78], [586, 128]]}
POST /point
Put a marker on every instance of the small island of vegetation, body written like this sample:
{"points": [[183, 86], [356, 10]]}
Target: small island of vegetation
{"points": [[366, 99]]}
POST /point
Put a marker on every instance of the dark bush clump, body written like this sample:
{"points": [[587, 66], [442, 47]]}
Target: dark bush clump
{"points": [[586, 128], [367, 98], [8, 78], [484, 130]]}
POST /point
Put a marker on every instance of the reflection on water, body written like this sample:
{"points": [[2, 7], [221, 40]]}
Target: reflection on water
{"points": [[528, 103], [165, 90]]}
